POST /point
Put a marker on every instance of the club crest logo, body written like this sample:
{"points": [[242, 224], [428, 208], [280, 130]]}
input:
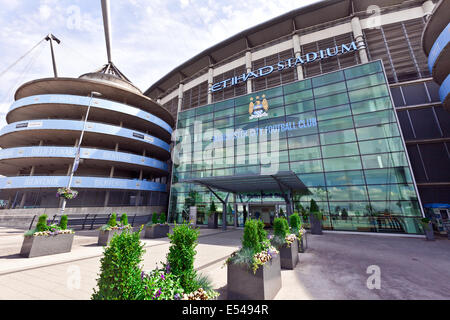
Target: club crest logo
{"points": [[258, 109]]}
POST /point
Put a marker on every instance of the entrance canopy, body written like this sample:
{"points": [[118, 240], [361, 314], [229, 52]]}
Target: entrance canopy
{"points": [[283, 181]]}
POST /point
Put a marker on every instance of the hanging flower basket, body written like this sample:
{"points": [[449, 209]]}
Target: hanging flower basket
{"points": [[67, 193]]}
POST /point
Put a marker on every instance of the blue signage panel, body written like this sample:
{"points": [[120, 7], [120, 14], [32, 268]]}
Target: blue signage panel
{"points": [[79, 182], [85, 153], [84, 101], [90, 127]]}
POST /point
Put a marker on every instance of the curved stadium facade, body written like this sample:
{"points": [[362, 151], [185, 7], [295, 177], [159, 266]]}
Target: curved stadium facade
{"points": [[123, 156], [343, 91]]}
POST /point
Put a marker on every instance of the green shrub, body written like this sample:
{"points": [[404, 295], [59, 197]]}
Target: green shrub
{"points": [[314, 209], [280, 227], [252, 236], [112, 220], [212, 208], [313, 206], [63, 222], [295, 223], [120, 274], [154, 218], [42, 223], [182, 254], [162, 218], [124, 219], [262, 234]]}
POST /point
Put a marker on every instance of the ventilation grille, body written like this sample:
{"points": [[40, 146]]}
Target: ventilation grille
{"points": [[398, 45]]}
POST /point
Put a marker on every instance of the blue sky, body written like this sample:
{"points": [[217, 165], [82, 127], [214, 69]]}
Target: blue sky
{"points": [[149, 37]]}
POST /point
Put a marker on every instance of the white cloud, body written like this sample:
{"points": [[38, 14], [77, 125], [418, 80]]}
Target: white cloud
{"points": [[44, 12], [184, 3], [149, 38]]}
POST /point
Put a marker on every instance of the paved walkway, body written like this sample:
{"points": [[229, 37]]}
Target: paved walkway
{"points": [[334, 266]]}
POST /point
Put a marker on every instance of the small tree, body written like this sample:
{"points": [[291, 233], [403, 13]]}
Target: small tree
{"points": [[295, 223], [314, 209], [313, 206], [124, 219], [280, 231], [154, 218], [280, 227], [112, 222], [42, 223], [162, 218], [244, 213], [252, 238], [212, 208], [182, 254], [344, 214], [120, 274], [262, 234], [63, 222]]}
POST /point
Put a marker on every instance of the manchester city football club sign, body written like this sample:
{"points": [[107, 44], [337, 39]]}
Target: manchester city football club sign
{"points": [[258, 109]]}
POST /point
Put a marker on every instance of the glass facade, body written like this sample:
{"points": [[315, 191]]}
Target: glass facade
{"points": [[337, 132]]}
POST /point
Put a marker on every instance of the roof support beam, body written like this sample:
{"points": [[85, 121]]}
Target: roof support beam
{"points": [[224, 206], [286, 195], [212, 61], [248, 43]]}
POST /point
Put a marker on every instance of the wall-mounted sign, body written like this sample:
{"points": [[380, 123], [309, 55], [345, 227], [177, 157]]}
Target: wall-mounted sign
{"points": [[35, 124], [138, 135], [29, 124], [285, 64], [269, 129], [22, 125]]}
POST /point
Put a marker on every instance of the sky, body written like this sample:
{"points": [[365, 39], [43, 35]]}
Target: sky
{"points": [[149, 37]]}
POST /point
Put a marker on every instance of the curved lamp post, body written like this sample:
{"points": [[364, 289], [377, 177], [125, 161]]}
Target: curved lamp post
{"points": [[76, 159]]}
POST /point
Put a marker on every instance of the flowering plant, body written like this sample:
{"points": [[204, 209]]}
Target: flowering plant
{"points": [[54, 232], [114, 225], [290, 238], [107, 227], [201, 294], [301, 232], [262, 257], [42, 229], [161, 285], [67, 193]]}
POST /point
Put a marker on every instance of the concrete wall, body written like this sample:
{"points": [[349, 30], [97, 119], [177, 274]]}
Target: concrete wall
{"points": [[21, 218]]}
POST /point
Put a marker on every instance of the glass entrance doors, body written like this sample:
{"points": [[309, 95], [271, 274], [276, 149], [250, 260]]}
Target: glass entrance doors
{"points": [[264, 212]]}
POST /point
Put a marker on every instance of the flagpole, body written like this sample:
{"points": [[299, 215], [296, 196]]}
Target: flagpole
{"points": [[77, 151]]}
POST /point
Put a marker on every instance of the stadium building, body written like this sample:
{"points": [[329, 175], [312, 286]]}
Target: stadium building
{"points": [[123, 158], [333, 102], [342, 101]]}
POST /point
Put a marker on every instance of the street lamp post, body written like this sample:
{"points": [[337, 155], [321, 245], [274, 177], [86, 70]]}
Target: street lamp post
{"points": [[77, 153]]}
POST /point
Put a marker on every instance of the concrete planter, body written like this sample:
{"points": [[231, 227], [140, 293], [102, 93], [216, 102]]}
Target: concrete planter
{"points": [[316, 224], [212, 221], [104, 237], [302, 243], [156, 231], [429, 232], [289, 256], [35, 246], [242, 284]]}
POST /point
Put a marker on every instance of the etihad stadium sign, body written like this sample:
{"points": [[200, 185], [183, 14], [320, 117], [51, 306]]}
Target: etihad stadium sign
{"points": [[285, 64]]}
